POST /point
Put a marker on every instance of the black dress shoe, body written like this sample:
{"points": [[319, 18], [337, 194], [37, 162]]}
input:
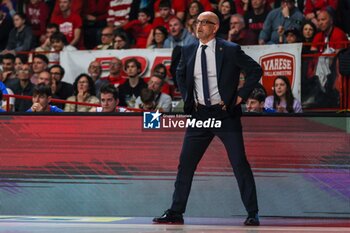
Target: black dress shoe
{"points": [[170, 217], [252, 220]]}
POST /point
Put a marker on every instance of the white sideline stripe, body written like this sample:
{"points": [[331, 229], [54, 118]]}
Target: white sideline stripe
{"points": [[166, 228]]}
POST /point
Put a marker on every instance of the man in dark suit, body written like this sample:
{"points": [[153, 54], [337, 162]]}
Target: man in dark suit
{"points": [[208, 76]]}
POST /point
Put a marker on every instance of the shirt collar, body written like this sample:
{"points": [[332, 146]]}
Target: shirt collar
{"points": [[211, 44]]}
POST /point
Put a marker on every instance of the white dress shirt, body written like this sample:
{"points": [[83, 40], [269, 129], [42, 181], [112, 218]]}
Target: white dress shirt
{"points": [[212, 74]]}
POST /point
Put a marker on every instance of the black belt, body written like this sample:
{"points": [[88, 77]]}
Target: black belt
{"points": [[214, 107]]}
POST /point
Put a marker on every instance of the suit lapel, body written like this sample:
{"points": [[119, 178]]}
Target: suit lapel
{"points": [[219, 55], [191, 61]]}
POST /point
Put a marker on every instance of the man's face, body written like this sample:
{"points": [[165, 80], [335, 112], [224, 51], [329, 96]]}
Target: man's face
{"points": [[287, 3], [131, 70], [324, 21], [206, 27], [164, 12], [24, 72], [115, 66], [38, 65], [107, 36], [155, 84], [175, 27], [108, 103], [236, 23], [95, 70], [43, 100], [50, 31], [45, 77], [258, 4], [56, 74], [253, 105], [64, 5], [8, 65]]}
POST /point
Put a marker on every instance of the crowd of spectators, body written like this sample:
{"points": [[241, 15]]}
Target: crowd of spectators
{"points": [[48, 27]]}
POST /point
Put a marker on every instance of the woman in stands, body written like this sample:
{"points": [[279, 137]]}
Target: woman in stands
{"points": [[84, 92], [308, 31], [159, 36], [193, 10], [226, 9], [282, 100]]}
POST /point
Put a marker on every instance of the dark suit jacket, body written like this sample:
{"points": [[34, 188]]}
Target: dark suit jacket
{"points": [[230, 60]]}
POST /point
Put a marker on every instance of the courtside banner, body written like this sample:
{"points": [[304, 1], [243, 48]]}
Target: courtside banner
{"points": [[276, 60]]}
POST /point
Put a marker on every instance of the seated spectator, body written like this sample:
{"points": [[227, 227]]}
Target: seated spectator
{"points": [[6, 25], [329, 35], [308, 30], [193, 10], [177, 8], [45, 77], [109, 100], [59, 43], [40, 63], [282, 100], [256, 100], [20, 37], [165, 14], [115, 70], [313, 8], [289, 36], [95, 71], [255, 17], [121, 40], [62, 89], [159, 35], [131, 89], [23, 86], [41, 99], [287, 16], [84, 92], [163, 19], [178, 35], [162, 101], [107, 39], [69, 23], [140, 28], [19, 61], [226, 10], [37, 13], [161, 70], [8, 68], [45, 44], [239, 34], [147, 98]]}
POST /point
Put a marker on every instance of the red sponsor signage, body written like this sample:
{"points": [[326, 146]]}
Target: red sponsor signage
{"points": [[277, 64]]}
